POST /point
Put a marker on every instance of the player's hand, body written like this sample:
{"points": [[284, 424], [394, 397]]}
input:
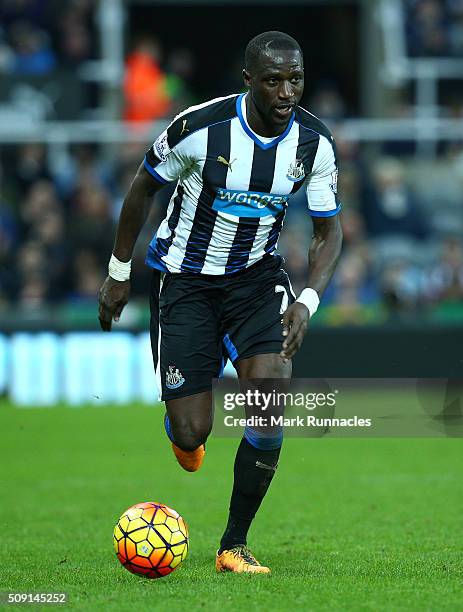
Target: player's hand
{"points": [[295, 321], [113, 296]]}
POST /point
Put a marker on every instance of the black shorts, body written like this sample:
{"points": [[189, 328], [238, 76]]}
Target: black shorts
{"points": [[198, 321]]}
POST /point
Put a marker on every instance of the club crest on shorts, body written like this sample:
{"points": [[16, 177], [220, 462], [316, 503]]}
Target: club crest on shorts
{"points": [[174, 378], [334, 181], [296, 171]]}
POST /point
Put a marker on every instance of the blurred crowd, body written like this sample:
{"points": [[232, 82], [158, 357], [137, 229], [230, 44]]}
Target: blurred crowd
{"points": [[156, 84], [402, 220], [403, 238], [402, 215], [46, 54], [37, 37], [434, 28]]}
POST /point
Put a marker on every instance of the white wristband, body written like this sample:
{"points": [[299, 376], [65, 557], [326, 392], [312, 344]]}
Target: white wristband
{"points": [[309, 297], [119, 270]]}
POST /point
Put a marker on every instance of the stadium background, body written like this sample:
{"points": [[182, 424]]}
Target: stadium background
{"points": [[86, 87], [348, 524]]}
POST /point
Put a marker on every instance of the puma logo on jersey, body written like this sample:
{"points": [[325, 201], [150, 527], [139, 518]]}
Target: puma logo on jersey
{"points": [[222, 160], [184, 127]]}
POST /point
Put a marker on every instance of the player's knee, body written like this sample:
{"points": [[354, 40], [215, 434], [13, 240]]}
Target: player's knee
{"points": [[188, 436], [264, 366]]}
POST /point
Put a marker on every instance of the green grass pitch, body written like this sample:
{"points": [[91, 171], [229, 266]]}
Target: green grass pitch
{"points": [[348, 524]]}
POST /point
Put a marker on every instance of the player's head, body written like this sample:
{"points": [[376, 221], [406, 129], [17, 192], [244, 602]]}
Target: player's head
{"points": [[274, 73]]}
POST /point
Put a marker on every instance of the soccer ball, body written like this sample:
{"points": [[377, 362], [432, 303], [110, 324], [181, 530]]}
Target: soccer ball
{"points": [[151, 539]]}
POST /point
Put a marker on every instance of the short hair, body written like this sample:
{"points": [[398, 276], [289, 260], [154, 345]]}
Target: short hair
{"points": [[274, 40]]}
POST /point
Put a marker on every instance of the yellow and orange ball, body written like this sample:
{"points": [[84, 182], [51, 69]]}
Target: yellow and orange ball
{"points": [[151, 539]]}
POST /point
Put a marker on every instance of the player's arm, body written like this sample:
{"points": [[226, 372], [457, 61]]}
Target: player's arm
{"points": [[325, 247], [114, 294], [164, 162], [324, 253]]}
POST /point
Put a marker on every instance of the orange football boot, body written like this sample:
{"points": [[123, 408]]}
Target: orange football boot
{"points": [[190, 460], [240, 560]]}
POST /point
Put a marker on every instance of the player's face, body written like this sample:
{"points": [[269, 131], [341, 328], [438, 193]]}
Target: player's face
{"points": [[276, 86]]}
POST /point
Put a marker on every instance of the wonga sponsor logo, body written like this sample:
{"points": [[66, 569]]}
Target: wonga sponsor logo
{"points": [[249, 203]]}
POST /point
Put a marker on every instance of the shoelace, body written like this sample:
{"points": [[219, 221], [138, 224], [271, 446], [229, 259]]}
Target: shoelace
{"points": [[243, 552]]}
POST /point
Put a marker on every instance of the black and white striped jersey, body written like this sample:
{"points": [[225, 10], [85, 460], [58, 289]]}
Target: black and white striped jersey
{"points": [[233, 187]]}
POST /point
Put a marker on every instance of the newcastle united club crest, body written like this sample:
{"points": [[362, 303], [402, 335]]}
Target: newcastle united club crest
{"points": [[296, 171], [174, 378]]}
